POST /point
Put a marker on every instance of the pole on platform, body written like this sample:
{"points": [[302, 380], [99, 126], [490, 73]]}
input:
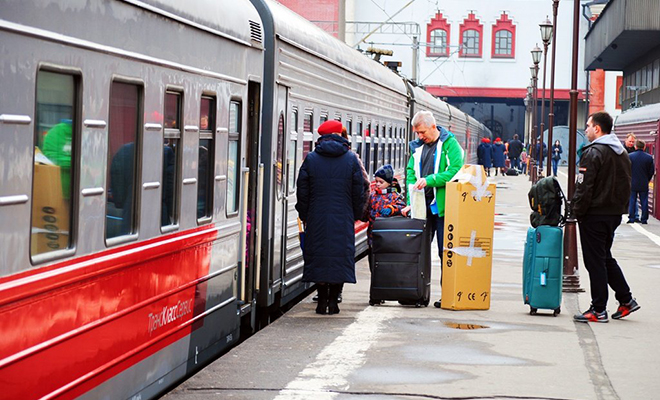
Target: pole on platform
{"points": [[534, 70], [551, 106], [571, 278], [546, 35]]}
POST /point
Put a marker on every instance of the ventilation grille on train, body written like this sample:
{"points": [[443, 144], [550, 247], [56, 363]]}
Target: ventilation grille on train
{"points": [[255, 32]]}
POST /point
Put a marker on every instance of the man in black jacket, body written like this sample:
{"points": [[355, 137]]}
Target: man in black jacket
{"points": [[515, 148], [601, 197]]}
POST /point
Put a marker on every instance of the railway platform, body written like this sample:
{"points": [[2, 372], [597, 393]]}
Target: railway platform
{"points": [[402, 352]]}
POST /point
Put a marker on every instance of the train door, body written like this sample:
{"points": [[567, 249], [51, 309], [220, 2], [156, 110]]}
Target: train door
{"points": [[280, 200], [253, 215]]}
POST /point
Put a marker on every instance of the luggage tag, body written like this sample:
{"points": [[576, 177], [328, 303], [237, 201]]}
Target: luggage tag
{"points": [[543, 279]]}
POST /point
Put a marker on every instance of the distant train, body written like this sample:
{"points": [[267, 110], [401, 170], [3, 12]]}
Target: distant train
{"points": [[149, 152]]}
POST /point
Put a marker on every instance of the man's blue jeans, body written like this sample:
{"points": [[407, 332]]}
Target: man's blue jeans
{"points": [[644, 203]]}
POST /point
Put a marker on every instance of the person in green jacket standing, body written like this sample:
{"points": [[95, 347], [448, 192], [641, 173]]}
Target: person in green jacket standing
{"points": [[435, 157]]}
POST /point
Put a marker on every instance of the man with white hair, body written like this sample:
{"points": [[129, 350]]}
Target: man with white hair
{"points": [[435, 157]]}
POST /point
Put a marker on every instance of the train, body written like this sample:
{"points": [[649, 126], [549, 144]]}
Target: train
{"points": [[149, 151]]}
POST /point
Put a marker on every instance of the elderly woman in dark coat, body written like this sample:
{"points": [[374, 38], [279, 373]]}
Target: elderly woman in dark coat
{"points": [[330, 197], [498, 156], [485, 154]]}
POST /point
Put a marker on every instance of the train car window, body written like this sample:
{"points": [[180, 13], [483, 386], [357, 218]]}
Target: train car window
{"points": [[206, 158], [374, 147], [233, 160], [390, 140], [367, 150], [280, 152], [171, 156], [52, 184], [359, 139], [292, 155], [307, 148], [308, 122], [383, 140], [122, 171], [323, 118], [291, 162], [338, 117]]}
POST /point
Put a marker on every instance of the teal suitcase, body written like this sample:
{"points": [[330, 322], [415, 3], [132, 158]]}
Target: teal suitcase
{"points": [[543, 268]]}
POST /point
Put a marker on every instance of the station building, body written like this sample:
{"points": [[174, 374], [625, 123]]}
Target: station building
{"points": [[626, 37], [473, 54]]}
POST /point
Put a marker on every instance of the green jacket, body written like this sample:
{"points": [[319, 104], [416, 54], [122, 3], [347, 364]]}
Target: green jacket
{"points": [[446, 166]]}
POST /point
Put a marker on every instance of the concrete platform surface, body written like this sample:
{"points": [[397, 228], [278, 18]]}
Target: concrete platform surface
{"points": [[402, 352]]}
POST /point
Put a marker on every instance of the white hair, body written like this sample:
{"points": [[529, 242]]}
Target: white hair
{"points": [[425, 118]]}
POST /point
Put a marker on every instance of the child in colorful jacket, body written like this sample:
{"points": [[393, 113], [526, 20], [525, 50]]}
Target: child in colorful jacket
{"points": [[385, 199]]}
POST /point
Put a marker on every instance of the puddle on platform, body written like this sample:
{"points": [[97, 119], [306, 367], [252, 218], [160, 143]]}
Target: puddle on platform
{"points": [[457, 325], [402, 374], [468, 354]]}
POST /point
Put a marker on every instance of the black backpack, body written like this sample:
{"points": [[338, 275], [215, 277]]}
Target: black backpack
{"points": [[545, 199]]}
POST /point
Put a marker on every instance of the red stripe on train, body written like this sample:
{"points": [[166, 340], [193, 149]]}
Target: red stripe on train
{"points": [[70, 326]]}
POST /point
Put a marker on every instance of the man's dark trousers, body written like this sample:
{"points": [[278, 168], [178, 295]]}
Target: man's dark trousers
{"points": [[644, 203], [596, 237], [437, 224]]}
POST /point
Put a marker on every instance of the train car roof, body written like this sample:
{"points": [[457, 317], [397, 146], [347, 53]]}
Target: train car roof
{"points": [[425, 98], [242, 23], [299, 32], [648, 113]]}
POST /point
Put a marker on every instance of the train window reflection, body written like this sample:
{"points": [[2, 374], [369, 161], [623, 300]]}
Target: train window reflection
{"points": [[233, 160], [171, 155], [52, 187], [123, 125], [206, 158]]}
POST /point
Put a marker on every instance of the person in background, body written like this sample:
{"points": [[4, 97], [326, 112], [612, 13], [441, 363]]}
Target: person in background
{"points": [[643, 169], [485, 154], [435, 157], [556, 156], [601, 197], [330, 198], [629, 144], [498, 156], [515, 149], [541, 153], [524, 159]]}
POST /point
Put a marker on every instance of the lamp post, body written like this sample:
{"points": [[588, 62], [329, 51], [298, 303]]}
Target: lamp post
{"points": [[551, 106], [534, 70], [571, 278], [546, 34]]}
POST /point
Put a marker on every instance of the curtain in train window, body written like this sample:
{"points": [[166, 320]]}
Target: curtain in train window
{"points": [[233, 157], [171, 154], [374, 146], [52, 184], [206, 158], [121, 200]]}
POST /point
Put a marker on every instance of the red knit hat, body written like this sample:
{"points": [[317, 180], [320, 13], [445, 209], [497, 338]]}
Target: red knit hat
{"points": [[330, 127]]}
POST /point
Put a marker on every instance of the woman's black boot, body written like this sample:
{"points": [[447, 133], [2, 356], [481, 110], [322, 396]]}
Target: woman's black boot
{"points": [[322, 306], [335, 289]]}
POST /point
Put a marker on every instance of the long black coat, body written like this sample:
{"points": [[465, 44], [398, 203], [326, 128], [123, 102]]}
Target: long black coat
{"points": [[498, 155], [485, 154], [330, 198]]}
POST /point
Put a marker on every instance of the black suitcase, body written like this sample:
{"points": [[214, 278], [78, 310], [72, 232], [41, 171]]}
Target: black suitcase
{"points": [[401, 252]]}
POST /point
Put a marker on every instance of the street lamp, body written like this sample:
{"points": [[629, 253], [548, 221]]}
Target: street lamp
{"points": [[551, 106], [534, 70], [571, 281], [546, 34]]}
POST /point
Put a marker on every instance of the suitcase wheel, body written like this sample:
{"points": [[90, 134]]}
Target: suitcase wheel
{"points": [[532, 310], [556, 312], [376, 302]]}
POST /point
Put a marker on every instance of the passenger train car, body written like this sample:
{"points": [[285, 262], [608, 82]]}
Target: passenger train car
{"points": [[149, 152]]}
